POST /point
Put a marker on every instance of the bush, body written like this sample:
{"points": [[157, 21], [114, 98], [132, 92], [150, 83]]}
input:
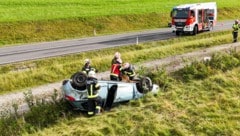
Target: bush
{"points": [[224, 61], [10, 126], [203, 69], [158, 76], [41, 115], [197, 70]]}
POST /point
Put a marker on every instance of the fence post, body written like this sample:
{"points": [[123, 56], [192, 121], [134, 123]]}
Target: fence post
{"points": [[94, 32], [137, 40]]}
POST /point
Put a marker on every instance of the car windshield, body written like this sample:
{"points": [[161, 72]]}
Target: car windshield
{"points": [[180, 13]]}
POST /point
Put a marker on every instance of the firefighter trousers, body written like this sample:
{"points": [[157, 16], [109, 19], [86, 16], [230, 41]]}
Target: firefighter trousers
{"points": [[235, 36], [93, 104]]}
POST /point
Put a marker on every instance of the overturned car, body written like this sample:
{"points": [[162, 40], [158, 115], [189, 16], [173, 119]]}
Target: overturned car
{"points": [[111, 92]]}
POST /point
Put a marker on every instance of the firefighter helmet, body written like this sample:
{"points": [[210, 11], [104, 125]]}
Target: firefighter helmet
{"points": [[117, 55], [87, 61], [126, 65], [92, 74], [237, 21]]}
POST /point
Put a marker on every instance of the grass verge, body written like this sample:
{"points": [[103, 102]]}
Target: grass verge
{"points": [[200, 106], [34, 73]]}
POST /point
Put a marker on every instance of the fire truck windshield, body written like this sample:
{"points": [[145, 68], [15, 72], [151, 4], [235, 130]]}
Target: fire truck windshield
{"points": [[180, 13]]}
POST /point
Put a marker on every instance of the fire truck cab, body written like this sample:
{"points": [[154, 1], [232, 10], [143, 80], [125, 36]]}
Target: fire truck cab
{"points": [[193, 18]]}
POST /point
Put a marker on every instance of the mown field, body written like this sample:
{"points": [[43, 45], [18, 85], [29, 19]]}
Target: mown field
{"points": [[31, 10], [29, 21]]}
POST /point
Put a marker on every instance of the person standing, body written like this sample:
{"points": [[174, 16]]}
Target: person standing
{"points": [[94, 100], [115, 74], [117, 56], [235, 27]]}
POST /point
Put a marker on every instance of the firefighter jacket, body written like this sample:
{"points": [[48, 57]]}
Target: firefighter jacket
{"points": [[115, 70], [129, 72], [235, 27], [87, 68], [92, 88]]}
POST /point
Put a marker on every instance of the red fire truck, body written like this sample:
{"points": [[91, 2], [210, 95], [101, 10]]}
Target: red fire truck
{"points": [[193, 18]]}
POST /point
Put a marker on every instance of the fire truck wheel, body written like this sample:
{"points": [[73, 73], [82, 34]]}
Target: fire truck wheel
{"points": [[177, 33], [195, 30], [210, 27]]}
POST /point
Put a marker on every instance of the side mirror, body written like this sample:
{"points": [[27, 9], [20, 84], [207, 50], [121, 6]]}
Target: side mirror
{"points": [[171, 14]]}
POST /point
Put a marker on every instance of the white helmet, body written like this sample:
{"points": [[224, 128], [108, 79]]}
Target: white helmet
{"points": [[126, 65], [117, 55], [236, 21], [87, 61], [92, 74]]}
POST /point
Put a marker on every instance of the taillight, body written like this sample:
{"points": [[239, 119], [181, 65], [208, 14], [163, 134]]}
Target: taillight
{"points": [[70, 98]]}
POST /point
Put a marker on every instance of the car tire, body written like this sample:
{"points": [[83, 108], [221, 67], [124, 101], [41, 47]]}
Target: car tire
{"points": [[79, 80], [145, 85]]}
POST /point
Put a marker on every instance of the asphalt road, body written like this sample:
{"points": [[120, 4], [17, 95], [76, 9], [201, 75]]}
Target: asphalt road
{"points": [[58, 48]]}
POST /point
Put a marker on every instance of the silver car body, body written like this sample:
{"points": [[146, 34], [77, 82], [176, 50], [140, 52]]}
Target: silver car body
{"points": [[124, 91]]}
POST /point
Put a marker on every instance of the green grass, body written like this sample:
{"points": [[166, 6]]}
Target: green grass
{"points": [[208, 106], [197, 107], [31, 10], [15, 77], [37, 21]]}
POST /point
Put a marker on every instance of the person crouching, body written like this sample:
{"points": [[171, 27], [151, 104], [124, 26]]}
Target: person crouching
{"points": [[128, 70]]}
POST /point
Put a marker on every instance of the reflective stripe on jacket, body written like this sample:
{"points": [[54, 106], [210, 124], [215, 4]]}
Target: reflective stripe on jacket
{"points": [[115, 70], [92, 87], [129, 73], [235, 27]]}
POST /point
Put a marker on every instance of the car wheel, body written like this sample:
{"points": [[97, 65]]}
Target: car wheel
{"points": [[79, 80], [145, 85]]}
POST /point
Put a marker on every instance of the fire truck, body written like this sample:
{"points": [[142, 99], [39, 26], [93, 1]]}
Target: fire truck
{"points": [[193, 18]]}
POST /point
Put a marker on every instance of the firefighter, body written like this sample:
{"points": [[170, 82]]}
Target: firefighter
{"points": [[115, 74], [235, 27], [94, 100], [116, 57], [87, 67], [128, 70]]}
